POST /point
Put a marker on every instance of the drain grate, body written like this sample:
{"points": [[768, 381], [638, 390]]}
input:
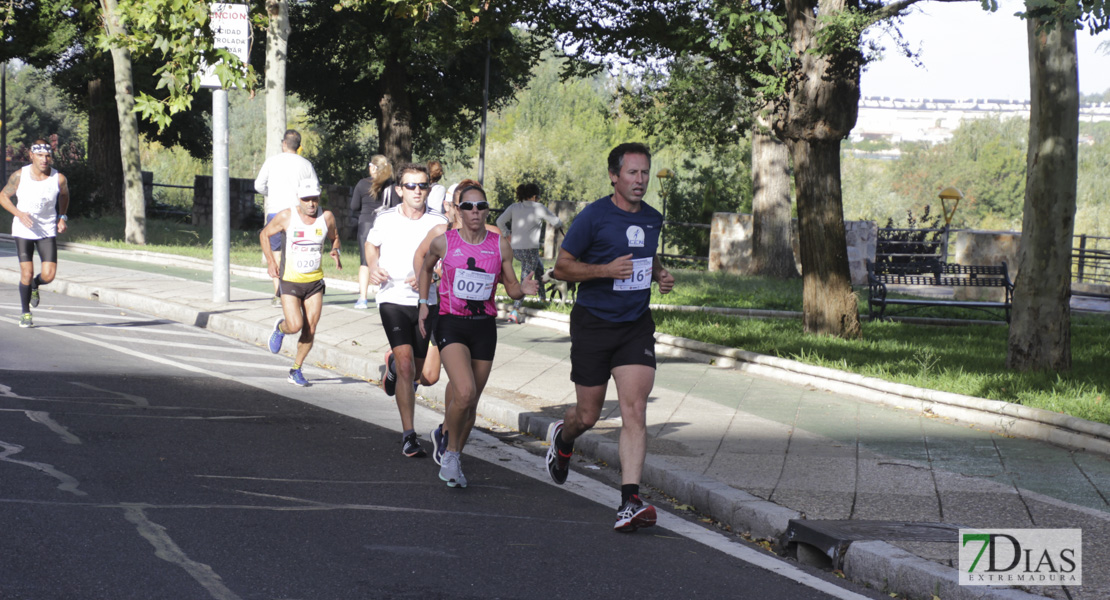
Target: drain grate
{"points": [[832, 538]]}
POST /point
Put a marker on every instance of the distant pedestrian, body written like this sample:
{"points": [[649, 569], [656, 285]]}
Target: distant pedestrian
{"points": [[611, 250], [278, 180], [371, 196], [474, 261], [39, 215], [524, 218], [437, 193], [390, 247], [300, 270]]}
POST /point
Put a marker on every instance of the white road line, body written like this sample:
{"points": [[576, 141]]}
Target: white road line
{"points": [[43, 418], [54, 311], [166, 549], [231, 363], [172, 344], [136, 400]]}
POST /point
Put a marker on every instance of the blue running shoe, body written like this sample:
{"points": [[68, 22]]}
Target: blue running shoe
{"points": [[439, 444], [277, 337], [297, 378], [361, 303]]}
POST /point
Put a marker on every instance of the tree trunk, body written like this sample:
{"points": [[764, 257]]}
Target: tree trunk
{"points": [[395, 122], [772, 251], [134, 203], [277, 51], [819, 109], [103, 142], [828, 302], [1040, 328]]}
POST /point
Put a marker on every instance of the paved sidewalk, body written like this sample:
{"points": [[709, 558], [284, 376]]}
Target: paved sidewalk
{"points": [[751, 451]]}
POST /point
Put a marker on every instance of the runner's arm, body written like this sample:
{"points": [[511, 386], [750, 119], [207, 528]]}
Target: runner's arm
{"points": [[437, 247], [333, 233], [569, 268], [274, 227], [63, 202], [6, 195], [661, 275]]}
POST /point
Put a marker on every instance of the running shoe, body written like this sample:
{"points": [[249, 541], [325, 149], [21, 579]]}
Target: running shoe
{"points": [[297, 378], [277, 337], [275, 301], [412, 447], [514, 317], [25, 320], [633, 515], [439, 444], [35, 298], [389, 382], [558, 463], [360, 303], [451, 470]]}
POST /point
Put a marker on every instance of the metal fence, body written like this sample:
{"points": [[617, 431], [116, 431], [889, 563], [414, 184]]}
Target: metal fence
{"points": [[1090, 253], [1091, 259]]}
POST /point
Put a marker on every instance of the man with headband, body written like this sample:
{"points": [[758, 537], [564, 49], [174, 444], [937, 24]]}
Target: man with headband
{"points": [[42, 199]]}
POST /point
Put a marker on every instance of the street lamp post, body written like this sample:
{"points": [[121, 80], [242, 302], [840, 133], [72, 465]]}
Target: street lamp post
{"points": [[949, 193], [663, 175]]}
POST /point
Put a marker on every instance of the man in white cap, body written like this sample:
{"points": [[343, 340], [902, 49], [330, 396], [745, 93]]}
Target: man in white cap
{"points": [[42, 199], [300, 272], [277, 180]]}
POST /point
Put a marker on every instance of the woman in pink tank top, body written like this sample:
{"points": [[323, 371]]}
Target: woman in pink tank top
{"points": [[475, 260]]}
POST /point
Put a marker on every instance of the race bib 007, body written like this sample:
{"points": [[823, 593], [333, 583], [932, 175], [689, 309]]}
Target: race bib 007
{"points": [[474, 285]]}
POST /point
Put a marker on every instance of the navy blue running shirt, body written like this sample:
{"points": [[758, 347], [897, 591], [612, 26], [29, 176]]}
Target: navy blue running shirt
{"points": [[601, 233]]}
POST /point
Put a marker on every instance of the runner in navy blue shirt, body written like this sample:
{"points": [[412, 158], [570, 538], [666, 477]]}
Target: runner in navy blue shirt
{"points": [[611, 251]]}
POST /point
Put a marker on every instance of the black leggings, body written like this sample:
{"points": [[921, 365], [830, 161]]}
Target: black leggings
{"points": [[47, 249]]}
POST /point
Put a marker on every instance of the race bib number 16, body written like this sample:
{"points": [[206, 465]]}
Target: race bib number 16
{"points": [[640, 279]]}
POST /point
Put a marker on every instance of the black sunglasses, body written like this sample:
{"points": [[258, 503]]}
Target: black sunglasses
{"points": [[483, 205], [413, 186]]}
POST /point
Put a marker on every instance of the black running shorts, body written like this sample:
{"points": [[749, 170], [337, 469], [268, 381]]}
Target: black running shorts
{"points": [[479, 333], [302, 290], [402, 326], [46, 247], [597, 345]]}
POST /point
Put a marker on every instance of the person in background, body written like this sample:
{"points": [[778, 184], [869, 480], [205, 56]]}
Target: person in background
{"points": [[39, 215], [437, 194], [278, 180], [371, 195], [524, 218]]}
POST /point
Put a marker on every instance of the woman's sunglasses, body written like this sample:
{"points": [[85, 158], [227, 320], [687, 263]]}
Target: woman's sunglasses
{"points": [[471, 206]]}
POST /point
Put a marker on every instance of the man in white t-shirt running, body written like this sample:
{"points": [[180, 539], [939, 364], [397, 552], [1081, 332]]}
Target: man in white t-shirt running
{"points": [[390, 247], [39, 215], [278, 180]]}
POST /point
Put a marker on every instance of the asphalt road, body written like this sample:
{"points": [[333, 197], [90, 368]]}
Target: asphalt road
{"points": [[141, 458]]}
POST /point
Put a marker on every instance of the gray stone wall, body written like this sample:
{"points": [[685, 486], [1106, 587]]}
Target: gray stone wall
{"points": [[986, 248], [245, 214], [730, 245]]}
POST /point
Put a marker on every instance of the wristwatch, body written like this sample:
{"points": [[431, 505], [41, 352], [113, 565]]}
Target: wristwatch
{"points": [[63, 218], [422, 301]]}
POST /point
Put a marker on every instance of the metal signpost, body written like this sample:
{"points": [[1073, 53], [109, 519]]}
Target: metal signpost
{"points": [[230, 25]]}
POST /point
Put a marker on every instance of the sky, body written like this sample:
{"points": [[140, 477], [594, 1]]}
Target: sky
{"points": [[967, 52]]}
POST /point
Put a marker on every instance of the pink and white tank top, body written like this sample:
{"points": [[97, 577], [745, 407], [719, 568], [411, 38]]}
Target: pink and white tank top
{"points": [[470, 275]]}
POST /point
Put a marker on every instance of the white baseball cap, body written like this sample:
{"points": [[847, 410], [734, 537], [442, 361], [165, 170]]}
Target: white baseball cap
{"points": [[307, 188]]}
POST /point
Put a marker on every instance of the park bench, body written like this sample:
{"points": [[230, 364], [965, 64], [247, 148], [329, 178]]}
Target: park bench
{"points": [[939, 274]]}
